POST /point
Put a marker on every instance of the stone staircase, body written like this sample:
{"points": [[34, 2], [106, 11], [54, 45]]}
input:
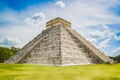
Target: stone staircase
{"points": [[26, 49]]}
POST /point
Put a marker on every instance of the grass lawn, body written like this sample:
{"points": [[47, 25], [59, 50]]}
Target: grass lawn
{"points": [[37, 72]]}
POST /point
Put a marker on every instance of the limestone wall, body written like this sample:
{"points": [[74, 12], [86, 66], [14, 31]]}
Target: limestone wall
{"points": [[72, 51], [47, 51]]}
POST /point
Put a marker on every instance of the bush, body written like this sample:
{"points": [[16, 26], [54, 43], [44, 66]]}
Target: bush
{"points": [[117, 58], [5, 53], [14, 49]]}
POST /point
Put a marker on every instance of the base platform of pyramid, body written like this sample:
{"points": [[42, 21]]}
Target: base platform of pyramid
{"points": [[59, 45]]}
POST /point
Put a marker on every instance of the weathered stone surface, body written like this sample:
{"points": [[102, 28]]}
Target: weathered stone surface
{"points": [[59, 45]]}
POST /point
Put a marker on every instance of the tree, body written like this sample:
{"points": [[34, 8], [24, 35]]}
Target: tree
{"points": [[14, 49], [117, 58], [5, 53], [111, 57]]}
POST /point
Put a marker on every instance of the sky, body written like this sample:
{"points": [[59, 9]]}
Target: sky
{"points": [[97, 20]]}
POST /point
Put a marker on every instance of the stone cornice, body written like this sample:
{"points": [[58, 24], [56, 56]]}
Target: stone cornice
{"points": [[57, 21]]}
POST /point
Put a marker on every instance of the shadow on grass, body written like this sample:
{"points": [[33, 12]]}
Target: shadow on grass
{"points": [[114, 78]]}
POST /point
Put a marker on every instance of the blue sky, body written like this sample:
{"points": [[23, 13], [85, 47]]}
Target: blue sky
{"points": [[19, 5], [97, 20]]}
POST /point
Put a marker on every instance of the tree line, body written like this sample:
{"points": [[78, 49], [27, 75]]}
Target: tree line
{"points": [[6, 52], [116, 58]]}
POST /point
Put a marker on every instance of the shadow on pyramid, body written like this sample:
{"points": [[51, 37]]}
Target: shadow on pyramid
{"points": [[59, 45]]}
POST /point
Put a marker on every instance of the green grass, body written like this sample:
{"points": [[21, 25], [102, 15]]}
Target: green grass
{"points": [[37, 72]]}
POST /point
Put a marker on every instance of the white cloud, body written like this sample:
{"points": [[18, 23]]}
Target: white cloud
{"points": [[117, 37], [97, 34], [101, 38], [60, 4], [92, 40], [17, 28], [36, 19], [104, 43], [82, 13], [10, 41], [25, 33], [103, 34], [116, 51]]}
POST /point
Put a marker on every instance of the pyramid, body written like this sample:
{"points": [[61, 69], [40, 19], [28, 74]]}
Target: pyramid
{"points": [[59, 45]]}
